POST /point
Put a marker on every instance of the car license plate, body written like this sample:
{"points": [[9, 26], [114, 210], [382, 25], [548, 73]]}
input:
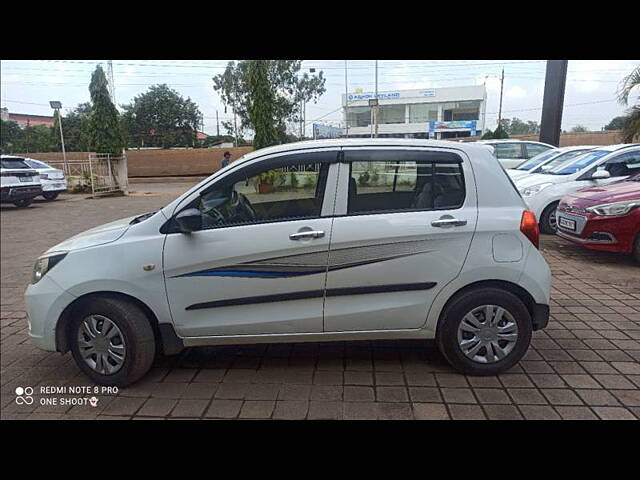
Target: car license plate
{"points": [[566, 223], [25, 179]]}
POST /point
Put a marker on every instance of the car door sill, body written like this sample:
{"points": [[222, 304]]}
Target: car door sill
{"points": [[413, 333]]}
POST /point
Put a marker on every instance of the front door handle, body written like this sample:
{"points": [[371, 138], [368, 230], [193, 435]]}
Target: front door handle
{"points": [[447, 221], [307, 234]]}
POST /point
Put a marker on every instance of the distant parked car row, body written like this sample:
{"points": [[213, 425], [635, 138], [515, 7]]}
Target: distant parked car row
{"points": [[587, 194], [23, 179]]}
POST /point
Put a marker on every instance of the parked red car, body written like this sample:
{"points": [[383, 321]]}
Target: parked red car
{"points": [[603, 218]]}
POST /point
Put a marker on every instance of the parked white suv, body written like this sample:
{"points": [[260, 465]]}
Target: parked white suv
{"points": [[512, 152], [548, 160], [543, 191], [311, 241], [19, 183], [52, 179]]}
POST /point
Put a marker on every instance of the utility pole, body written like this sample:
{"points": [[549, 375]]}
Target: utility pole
{"points": [[217, 124], [552, 103], [377, 107], [346, 102], [501, 88], [112, 85]]}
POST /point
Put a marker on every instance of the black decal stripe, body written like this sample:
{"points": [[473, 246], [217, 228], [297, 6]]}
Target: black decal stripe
{"points": [[332, 292]]}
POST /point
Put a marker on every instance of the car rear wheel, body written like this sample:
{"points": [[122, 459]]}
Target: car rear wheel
{"points": [[112, 341], [50, 195], [548, 219], [23, 203], [484, 331]]}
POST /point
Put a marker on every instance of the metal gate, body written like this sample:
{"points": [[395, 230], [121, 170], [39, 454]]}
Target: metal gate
{"points": [[108, 174]]}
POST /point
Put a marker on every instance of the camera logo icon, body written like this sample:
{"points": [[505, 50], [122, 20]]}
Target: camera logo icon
{"points": [[24, 395]]}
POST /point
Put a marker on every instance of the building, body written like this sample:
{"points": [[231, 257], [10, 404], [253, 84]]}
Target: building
{"points": [[25, 119], [423, 113]]}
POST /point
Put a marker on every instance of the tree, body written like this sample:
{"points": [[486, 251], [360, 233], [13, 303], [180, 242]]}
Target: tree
{"points": [[500, 132], [104, 131], [161, 117], [631, 127], [261, 104], [579, 129], [616, 123], [75, 126], [11, 135], [515, 126], [287, 92]]}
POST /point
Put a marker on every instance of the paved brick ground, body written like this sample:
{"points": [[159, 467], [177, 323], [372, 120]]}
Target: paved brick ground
{"points": [[585, 365]]}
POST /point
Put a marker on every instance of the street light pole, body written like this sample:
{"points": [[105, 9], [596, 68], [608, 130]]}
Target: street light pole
{"points": [[377, 107], [56, 105], [346, 102]]}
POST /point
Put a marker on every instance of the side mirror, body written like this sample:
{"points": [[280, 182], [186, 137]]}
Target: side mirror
{"points": [[600, 174], [189, 220]]}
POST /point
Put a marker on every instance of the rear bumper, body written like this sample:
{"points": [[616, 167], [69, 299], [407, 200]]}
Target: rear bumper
{"points": [[9, 194], [540, 316]]}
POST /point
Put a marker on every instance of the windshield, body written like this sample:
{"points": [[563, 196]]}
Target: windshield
{"points": [[36, 164], [580, 163], [560, 160], [13, 163], [533, 162]]}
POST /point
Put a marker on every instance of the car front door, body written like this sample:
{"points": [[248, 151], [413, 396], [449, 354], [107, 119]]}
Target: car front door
{"points": [[403, 227], [258, 263]]}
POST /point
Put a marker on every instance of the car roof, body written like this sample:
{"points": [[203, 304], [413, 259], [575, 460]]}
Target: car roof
{"points": [[512, 140], [619, 146], [469, 147]]}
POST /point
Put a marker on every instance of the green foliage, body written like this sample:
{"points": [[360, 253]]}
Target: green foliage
{"points": [[487, 135], [579, 129], [293, 179], [363, 179], [75, 127], [282, 102], [24, 140], [309, 182], [500, 132], [84, 183], [262, 104], [631, 127], [375, 176], [104, 131], [515, 126], [161, 117], [617, 123]]}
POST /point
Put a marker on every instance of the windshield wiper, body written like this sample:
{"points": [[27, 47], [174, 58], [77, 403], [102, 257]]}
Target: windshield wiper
{"points": [[141, 218]]}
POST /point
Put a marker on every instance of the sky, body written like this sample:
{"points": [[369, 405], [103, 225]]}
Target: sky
{"points": [[27, 86]]}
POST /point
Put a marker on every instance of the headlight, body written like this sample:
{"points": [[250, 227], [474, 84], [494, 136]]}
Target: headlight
{"points": [[529, 191], [44, 264], [617, 208], [44, 176]]}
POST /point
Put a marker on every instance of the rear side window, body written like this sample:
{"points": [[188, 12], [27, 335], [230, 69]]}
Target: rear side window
{"points": [[13, 163], [405, 185], [534, 149], [507, 150]]}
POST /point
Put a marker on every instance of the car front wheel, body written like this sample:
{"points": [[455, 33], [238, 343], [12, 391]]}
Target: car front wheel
{"points": [[112, 341], [23, 203], [484, 331], [548, 222], [50, 195]]}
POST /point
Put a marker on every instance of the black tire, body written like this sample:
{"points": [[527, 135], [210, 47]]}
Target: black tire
{"points": [[452, 316], [23, 203], [138, 338], [50, 195], [548, 219]]}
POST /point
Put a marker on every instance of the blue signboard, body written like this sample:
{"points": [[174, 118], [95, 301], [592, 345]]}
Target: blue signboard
{"points": [[325, 131], [453, 125]]}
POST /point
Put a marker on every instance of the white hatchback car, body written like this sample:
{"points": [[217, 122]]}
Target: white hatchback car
{"points": [[548, 160], [52, 179], [543, 191], [311, 241]]}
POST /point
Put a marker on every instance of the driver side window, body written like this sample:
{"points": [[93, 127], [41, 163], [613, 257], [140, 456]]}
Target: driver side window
{"points": [[274, 193]]}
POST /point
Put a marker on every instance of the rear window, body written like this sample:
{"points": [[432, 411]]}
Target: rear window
{"points": [[36, 164], [13, 163]]}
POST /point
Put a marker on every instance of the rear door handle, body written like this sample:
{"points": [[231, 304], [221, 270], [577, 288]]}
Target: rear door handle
{"points": [[308, 234], [448, 222]]}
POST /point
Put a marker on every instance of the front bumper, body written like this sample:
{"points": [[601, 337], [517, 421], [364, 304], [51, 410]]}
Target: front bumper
{"points": [[45, 302], [9, 194], [605, 233]]}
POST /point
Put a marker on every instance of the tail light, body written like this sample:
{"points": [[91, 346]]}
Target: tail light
{"points": [[529, 226]]}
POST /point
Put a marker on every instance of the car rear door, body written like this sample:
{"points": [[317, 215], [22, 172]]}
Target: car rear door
{"points": [[404, 222]]}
